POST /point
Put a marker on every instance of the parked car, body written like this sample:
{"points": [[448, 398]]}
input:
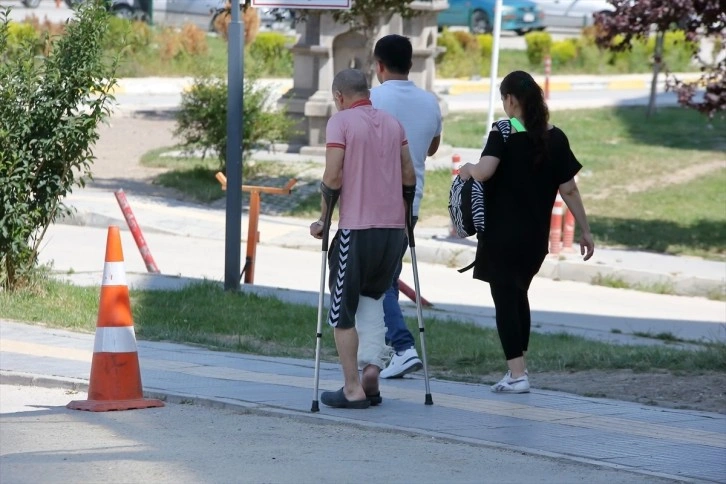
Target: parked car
{"points": [[572, 13], [129, 9], [520, 16]]}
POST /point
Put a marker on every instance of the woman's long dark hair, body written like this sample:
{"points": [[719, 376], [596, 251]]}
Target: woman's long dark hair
{"points": [[536, 114]]}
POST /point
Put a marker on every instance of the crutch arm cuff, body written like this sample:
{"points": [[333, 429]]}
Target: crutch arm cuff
{"points": [[329, 193], [409, 193]]}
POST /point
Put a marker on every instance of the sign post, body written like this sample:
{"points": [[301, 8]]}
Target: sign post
{"points": [[495, 65], [235, 76], [233, 222]]}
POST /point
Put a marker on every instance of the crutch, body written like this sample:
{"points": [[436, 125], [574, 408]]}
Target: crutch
{"points": [[408, 195], [330, 196]]}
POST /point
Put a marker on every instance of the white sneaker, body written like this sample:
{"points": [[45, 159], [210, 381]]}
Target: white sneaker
{"points": [[402, 363], [510, 385]]}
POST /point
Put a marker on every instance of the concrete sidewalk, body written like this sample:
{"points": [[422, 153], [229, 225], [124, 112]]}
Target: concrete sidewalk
{"points": [[650, 442], [97, 207]]}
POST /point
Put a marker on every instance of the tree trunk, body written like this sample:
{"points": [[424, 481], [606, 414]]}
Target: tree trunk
{"points": [[657, 65], [371, 34]]}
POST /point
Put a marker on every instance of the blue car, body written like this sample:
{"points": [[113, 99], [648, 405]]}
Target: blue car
{"points": [[521, 16]]}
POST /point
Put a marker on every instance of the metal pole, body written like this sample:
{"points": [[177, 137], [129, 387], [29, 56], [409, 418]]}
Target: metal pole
{"points": [[495, 65], [233, 226]]}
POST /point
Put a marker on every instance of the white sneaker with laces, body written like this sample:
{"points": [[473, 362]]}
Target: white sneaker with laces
{"points": [[511, 385], [402, 363]]}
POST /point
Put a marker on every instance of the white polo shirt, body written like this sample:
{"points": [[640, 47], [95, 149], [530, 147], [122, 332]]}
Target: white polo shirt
{"points": [[419, 113]]}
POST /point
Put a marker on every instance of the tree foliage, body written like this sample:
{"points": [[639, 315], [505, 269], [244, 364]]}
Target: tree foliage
{"points": [[50, 108], [699, 19]]}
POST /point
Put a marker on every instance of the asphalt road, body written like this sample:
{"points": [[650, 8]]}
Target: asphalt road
{"points": [[43, 442]]}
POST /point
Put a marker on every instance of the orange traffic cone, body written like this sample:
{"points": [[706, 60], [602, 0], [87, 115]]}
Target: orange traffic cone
{"points": [[115, 375], [556, 226]]}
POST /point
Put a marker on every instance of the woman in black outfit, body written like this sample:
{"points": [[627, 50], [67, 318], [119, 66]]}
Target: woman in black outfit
{"points": [[521, 178]]}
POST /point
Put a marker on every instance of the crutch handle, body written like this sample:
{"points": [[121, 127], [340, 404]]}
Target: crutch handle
{"points": [[330, 196], [409, 193]]}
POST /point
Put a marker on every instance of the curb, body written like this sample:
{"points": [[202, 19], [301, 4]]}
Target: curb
{"points": [[453, 87], [590, 83], [460, 254]]}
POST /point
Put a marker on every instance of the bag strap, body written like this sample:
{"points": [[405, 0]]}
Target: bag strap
{"points": [[505, 127], [518, 125]]}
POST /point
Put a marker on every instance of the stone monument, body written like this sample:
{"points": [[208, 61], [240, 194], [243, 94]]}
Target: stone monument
{"points": [[326, 47]]}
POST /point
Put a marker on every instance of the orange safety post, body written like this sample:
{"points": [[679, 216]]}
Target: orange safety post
{"points": [[556, 226], [455, 163], [568, 234], [253, 237], [548, 69], [253, 234], [115, 382]]}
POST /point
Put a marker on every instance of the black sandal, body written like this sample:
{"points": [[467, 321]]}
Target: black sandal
{"points": [[338, 400], [375, 399]]}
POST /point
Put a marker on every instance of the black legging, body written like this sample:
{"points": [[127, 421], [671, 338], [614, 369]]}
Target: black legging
{"points": [[513, 318]]}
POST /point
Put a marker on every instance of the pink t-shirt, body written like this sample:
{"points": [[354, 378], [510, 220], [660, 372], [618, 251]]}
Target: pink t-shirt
{"points": [[371, 195]]}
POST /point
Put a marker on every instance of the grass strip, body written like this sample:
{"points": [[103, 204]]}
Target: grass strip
{"points": [[205, 315]]}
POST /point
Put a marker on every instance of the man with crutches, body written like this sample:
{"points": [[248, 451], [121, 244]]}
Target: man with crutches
{"points": [[368, 165]]}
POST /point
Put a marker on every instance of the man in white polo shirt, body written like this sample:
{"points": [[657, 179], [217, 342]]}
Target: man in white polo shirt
{"points": [[419, 113]]}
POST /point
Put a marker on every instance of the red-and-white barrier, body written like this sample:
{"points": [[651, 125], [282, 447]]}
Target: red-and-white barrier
{"points": [[123, 203]]}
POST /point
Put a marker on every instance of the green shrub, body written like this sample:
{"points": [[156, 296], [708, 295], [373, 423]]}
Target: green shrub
{"points": [[49, 113], [21, 32], [134, 36], [448, 41], [270, 56], [202, 118], [563, 52], [677, 50], [538, 45], [485, 42]]}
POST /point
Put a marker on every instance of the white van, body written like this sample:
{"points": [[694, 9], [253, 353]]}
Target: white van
{"points": [[571, 13]]}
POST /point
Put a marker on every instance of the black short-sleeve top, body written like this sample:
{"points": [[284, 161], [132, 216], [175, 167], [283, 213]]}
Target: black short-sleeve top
{"points": [[518, 204]]}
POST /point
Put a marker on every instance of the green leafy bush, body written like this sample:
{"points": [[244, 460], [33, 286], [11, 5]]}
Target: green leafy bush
{"points": [[202, 118], [49, 113], [563, 52], [677, 50], [20, 34], [134, 36], [448, 41], [461, 58], [538, 45], [269, 55], [485, 42]]}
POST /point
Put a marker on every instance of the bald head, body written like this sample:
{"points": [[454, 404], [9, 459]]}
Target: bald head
{"points": [[351, 83]]}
